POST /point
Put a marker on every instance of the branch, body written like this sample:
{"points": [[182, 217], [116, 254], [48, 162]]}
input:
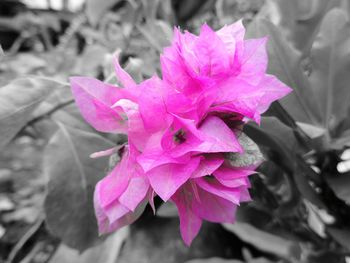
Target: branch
{"points": [[50, 112]]}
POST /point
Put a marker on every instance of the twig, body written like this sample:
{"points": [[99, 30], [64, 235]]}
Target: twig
{"points": [[300, 135], [50, 112], [36, 249], [24, 240]]}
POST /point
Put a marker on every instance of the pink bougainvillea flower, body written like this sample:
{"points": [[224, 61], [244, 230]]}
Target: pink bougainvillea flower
{"points": [[121, 196], [206, 198], [171, 160], [226, 63], [179, 128], [96, 99]]}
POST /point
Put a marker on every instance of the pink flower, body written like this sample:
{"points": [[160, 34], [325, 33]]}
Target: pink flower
{"points": [[232, 70], [179, 127], [122, 195]]}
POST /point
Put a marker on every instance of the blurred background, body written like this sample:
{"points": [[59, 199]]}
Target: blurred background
{"points": [[301, 194]]}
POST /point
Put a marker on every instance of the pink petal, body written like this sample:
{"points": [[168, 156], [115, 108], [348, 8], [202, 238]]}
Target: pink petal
{"points": [[217, 137], [245, 196], [273, 90], [174, 73], [190, 223], [179, 104], [103, 213], [191, 134], [137, 134], [211, 53], [213, 208], [151, 195], [115, 211], [254, 60], [167, 178], [238, 96], [135, 192], [212, 186], [233, 38], [208, 165], [212, 136], [232, 177], [115, 215], [128, 219], [152, 104], [114, 184], [94, 99], [186, 43], [156, 158], [122, 75]]}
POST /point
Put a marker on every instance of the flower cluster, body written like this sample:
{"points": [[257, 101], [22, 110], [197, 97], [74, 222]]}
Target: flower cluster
{"points": [[179, 128]]}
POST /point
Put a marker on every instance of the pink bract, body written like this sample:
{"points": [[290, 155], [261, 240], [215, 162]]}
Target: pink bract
{"points": [[223, 62], [179, 128]]}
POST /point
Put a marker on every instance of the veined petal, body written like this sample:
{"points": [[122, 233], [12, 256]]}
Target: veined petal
{"points": [[153, 159], [102, 213], [153, 93], [115, 211], [214, 208], [211, 53], [190, 223], [273, 90], [137, 134], [128, 218], [231, 177], [217, 137], [211, 185], [208, 165], [114, 184], [107, 226], [94, 100], [167, 178], [135, 192], [122, 75], [254, 60], [238, 96], [110, 188], [245, 195], [233, 38], [174, 73]]}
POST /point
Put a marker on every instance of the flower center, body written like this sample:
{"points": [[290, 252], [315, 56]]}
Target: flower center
{"points": [[180, 136]]}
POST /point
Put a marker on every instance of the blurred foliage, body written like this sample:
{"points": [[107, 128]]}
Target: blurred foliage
{"points": [[301, 207]]}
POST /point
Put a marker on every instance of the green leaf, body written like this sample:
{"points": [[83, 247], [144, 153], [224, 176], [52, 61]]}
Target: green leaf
{"points": [[341, 185], [95, 9], [312, 131], [330, 58], [252, 155], [342, 236], [60, 107], [107, 252], [280, 138], [284, 62], [275, 135], [300, 19], [18, 100], [265, 241], [157, 33], [73, 176]]}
